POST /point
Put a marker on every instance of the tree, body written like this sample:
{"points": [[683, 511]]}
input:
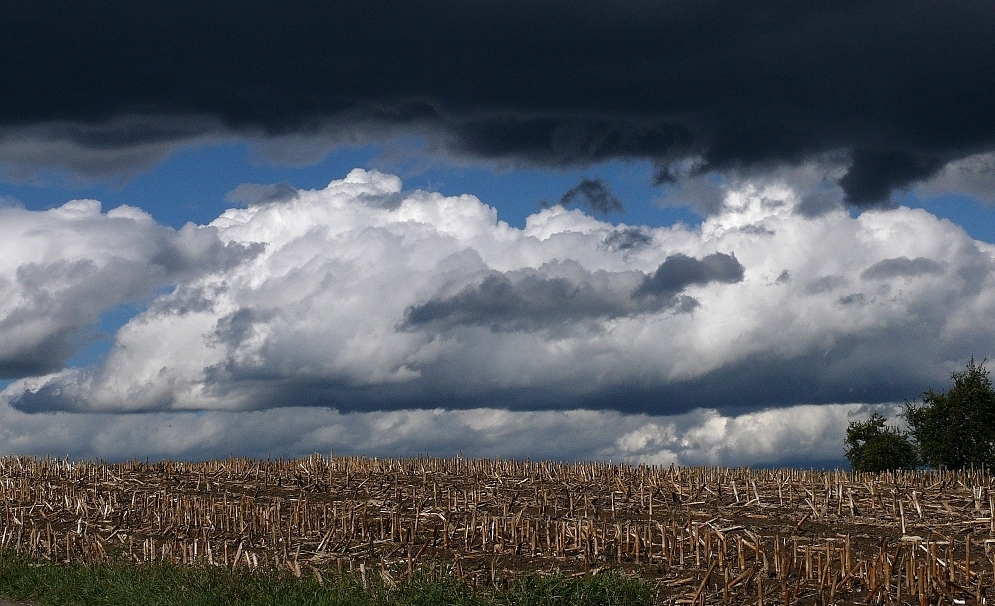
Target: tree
{"points": [[956, 429], [871, 446]]}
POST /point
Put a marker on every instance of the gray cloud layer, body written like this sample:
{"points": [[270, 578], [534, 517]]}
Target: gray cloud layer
{"points": [[801, 435], [901, 88]]}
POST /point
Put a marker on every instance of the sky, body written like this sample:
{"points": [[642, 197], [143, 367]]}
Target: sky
{"points": [[684, 232]]}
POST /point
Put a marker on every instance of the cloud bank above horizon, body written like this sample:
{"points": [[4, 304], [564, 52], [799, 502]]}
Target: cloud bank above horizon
{"points": [[366, 318]]}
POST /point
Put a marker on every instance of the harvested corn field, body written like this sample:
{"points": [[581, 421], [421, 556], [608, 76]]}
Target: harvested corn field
{"points": [[702, 535]]}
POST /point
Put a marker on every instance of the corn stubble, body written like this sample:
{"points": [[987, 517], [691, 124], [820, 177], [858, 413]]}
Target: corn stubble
{"points": [[703, 535]]}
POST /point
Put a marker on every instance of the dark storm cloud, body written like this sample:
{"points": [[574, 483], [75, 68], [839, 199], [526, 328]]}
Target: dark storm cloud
{"points": [[630, 238], [874, 173], [901, 267], [47, 354], [902, 87], [816, 204], [530, 299], [679, 271], [527, 299], [594, 195]]}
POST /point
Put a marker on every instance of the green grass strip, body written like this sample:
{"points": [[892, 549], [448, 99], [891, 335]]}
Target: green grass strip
{"points": [[124, 584]]}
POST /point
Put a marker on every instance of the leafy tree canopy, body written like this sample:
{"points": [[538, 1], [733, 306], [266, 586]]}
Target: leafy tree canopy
{"points": [[956, 429], [872, 446]]}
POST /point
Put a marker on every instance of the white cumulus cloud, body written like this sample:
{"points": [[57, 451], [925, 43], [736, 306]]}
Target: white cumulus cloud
{"points": [[423, 323], [363, 296], [59, 269]]}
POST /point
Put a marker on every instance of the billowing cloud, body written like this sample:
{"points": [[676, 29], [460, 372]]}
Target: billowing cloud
{"points": [[61, 268], [362, 296], [901, 90]]}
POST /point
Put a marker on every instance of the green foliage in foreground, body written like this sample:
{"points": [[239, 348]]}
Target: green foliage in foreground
{"points": [[872, 446], [120, 584]]}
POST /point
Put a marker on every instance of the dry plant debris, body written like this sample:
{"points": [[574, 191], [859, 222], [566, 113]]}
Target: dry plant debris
{"points": [[704, 535]]}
